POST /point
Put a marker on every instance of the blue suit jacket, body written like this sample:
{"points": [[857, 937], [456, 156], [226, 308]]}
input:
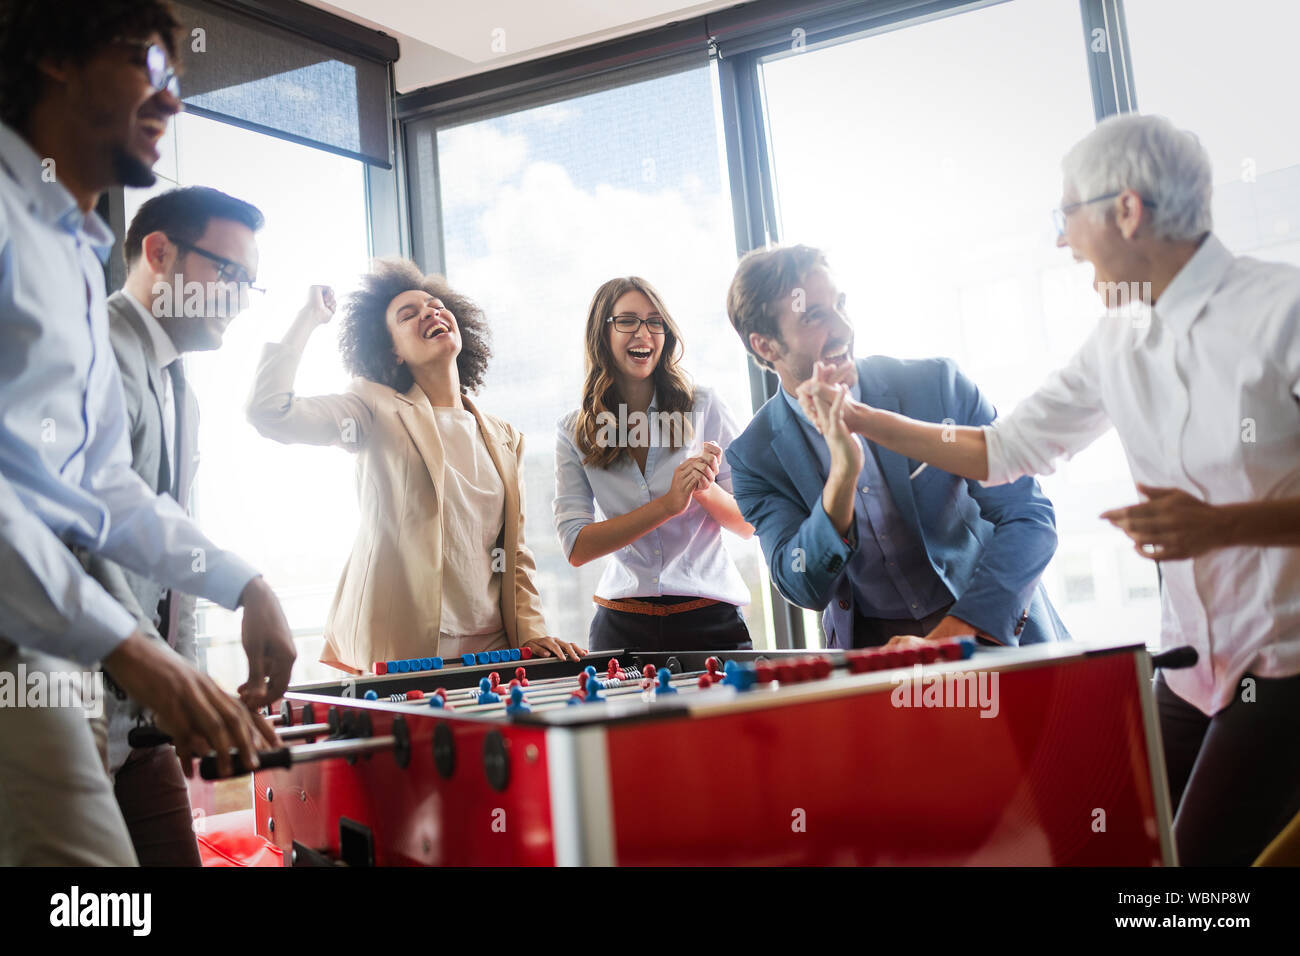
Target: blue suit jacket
{"points": [[988, 545]]}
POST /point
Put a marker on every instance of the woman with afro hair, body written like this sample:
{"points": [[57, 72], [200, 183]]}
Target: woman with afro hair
{"points": [[439, 566]]}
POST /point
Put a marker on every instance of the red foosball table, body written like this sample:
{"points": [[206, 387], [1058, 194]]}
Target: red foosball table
{"points": [[1042, 755]]}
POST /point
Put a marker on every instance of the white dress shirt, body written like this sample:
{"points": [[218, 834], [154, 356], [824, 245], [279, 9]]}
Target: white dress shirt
{"points": [[65, 456], [1204, 391], [683, 556]]}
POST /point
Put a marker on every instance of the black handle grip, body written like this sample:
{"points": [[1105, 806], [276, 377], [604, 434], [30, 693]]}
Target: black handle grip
{"points": [[146, 735], [1175, 658], [270, 759]]}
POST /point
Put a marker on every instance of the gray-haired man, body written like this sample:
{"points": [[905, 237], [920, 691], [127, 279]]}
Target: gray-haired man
{"points": [[1197, 366]]}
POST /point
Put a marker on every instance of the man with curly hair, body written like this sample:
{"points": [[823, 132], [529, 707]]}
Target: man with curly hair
{"points": [[439, 567]]}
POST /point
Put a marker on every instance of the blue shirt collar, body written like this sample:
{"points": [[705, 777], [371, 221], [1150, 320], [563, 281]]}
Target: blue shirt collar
{"points": [[49, 200]]}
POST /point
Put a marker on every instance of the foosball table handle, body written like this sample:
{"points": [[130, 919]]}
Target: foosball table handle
{"points": [[267, 760], [1175, 658]]}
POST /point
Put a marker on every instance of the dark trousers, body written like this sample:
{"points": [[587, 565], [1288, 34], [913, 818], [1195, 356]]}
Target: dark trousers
{"points": [[718, 627], [875, 631], [1234, 778], [155, 803]]}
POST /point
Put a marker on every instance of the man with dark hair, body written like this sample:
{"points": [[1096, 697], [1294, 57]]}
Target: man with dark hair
{"points": [[892, 551], [191, 259], [191, 255], [46, 55], [89, 87]]}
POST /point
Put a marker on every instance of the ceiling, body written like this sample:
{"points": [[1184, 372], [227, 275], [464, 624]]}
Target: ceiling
{"points": [[442, 40]]}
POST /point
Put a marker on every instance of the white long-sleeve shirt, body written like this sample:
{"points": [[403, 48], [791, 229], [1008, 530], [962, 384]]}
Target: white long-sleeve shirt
{"points": [[65, 458], [1204, 390], [683, 556]]}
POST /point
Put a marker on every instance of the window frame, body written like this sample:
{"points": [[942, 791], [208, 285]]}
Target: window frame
{"points": [[738, 41]]}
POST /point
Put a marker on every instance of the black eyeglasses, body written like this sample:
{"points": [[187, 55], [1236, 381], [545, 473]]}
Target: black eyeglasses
{"points": [[627, 322], [227, 269], [162, 76], [1059, 215]]}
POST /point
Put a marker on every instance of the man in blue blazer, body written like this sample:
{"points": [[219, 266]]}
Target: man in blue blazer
{"points": [[887, 547]]}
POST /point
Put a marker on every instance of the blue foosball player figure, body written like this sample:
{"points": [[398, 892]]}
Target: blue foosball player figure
{"points": [[740, 676], [485, 695], [665, 682], [517, 705]]}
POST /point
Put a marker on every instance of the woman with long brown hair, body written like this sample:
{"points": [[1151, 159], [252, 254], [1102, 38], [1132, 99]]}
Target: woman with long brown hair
{"points": [[640, 477]]}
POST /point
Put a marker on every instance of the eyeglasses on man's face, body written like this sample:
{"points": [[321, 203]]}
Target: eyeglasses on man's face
{"points": [[151, 56], [1062, 213], [631, 323], [227, 269]]}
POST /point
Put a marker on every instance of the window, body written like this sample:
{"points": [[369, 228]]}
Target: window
{"points": [[1242, 109], [540, 206], [289, 510], [1080, 583], [925, 162], [1137, 587], [923, 158]]}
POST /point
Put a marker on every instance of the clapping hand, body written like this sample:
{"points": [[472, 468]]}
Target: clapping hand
{"points": [[711, 457]]}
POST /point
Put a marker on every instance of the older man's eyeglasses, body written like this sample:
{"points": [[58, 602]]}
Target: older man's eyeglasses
{"points": [[162, 76], [1060, 214], [627, 322]]}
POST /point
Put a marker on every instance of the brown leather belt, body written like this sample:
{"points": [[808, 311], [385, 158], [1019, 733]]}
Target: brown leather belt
{"points": [[633, 606]]}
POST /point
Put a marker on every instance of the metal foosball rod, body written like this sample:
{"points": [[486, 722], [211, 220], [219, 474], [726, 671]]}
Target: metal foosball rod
{"points": [[303, 730], [549, 694], [285, 757], [566, 680], [457, 695], [299, 754], [627, 690], [549, 701], [566, 688], [465, 700], [566, 684]]}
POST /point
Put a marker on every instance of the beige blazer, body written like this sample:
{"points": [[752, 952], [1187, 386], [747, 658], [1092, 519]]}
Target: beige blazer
{"points": [[389, 600]]}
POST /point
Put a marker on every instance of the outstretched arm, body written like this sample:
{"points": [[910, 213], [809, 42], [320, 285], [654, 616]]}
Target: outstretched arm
{"points": [[957, 449], [1064, 416], [277, 413]]}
